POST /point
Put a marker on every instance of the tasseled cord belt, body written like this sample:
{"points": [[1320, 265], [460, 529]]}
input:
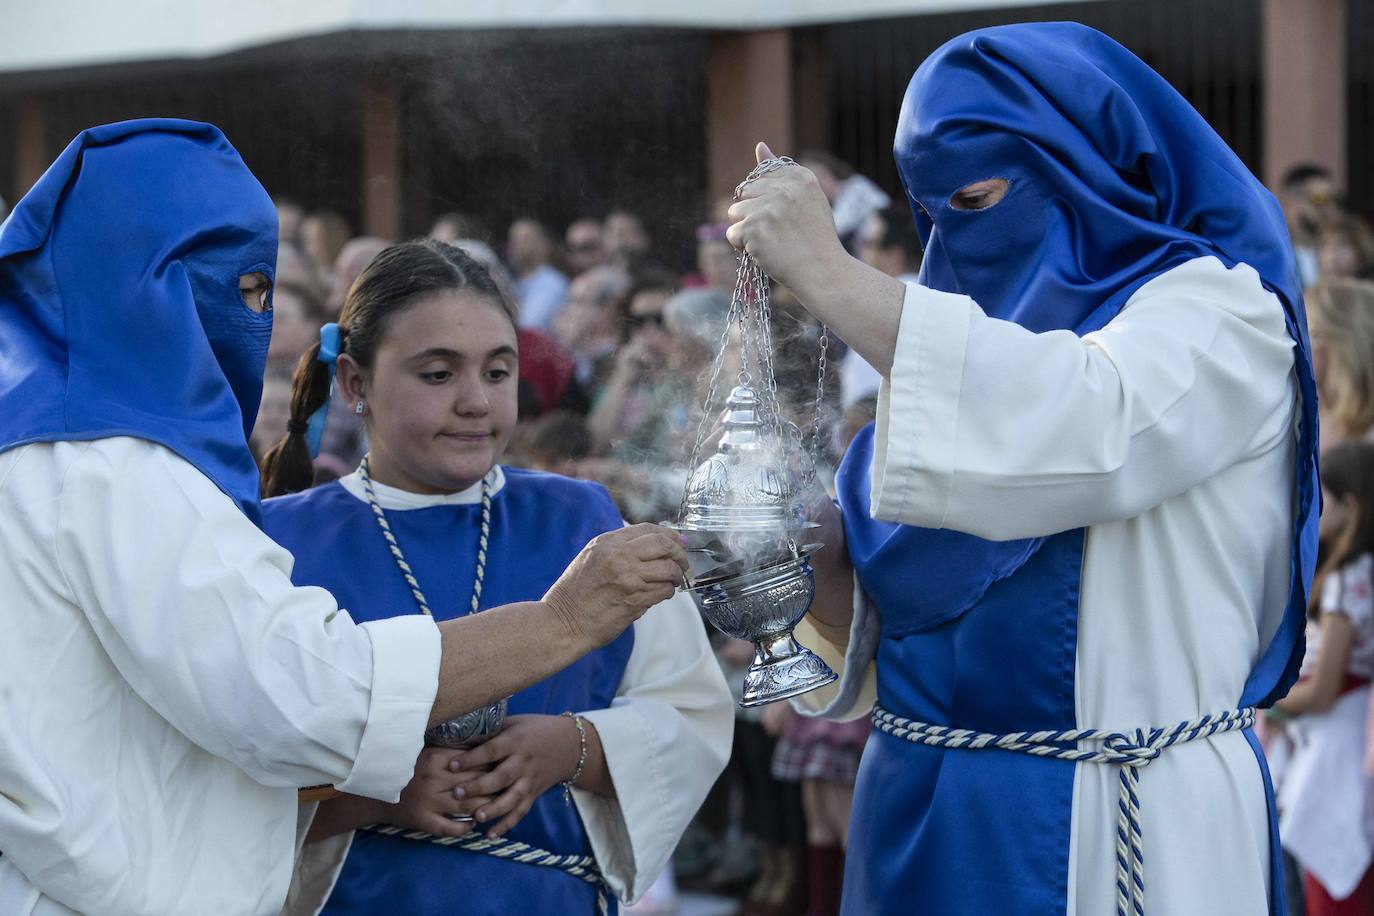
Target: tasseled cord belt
{"points": [[583, 867], [1129, 751]]}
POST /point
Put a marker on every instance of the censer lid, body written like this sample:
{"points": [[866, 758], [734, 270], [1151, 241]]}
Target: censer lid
{"points": [[746, 485]]}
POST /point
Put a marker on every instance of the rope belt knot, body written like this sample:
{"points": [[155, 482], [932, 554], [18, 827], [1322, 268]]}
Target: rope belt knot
{"points": [[1131, 752]]}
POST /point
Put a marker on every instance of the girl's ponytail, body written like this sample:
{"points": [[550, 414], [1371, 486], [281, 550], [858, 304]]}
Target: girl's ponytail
{"points": [[288, 466]]}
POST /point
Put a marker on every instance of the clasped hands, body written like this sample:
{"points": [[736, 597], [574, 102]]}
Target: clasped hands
{"points": [[499, 780]]}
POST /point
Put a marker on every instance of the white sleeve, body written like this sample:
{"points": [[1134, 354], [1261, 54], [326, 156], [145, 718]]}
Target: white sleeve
{"points": [[988, 428], [1349, 592], [196, 609], [666, 736]]}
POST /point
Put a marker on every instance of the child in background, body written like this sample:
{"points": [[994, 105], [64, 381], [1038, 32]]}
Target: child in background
{"points": [[1324, 789]]}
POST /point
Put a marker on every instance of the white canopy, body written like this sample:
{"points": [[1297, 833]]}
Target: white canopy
{"points": [[54, 34]]}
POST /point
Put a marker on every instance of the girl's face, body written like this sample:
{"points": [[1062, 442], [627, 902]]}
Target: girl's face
{"points": [[441, 396]]}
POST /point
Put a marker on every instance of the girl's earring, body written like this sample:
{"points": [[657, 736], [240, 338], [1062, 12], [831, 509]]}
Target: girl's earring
{"points": [[358, 408]]}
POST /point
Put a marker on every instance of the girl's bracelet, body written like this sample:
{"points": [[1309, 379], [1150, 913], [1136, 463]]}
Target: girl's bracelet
{"points": [[581, 756]]}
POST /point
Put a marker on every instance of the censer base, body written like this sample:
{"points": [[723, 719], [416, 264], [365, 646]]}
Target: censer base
{"points": [[783, 668]]}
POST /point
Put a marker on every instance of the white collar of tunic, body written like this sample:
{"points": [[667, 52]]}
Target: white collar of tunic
{"points": [[396, 499]]}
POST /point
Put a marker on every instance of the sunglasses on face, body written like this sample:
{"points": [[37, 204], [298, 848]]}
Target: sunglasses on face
{"points": [[634, 322]]}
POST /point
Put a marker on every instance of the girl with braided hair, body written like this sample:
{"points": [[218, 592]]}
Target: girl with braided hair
{"points": [[635, 733]]}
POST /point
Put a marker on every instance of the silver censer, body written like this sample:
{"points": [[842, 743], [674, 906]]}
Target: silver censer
{"points": [[750, 569]]}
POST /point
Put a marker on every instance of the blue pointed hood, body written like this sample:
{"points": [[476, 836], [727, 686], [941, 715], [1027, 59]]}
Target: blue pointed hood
{"points": [[120, 311]]}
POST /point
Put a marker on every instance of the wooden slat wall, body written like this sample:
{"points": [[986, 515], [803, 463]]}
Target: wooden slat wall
{"points": [[296, 127], [1360, 106], [1208, 49], [561, 126], [552, 124]]}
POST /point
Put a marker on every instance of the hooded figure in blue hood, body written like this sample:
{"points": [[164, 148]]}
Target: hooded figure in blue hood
{"points": [[164, 689], [1084, 525]]}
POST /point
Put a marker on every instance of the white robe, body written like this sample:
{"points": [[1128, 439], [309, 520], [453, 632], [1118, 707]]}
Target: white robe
{"points": [[1169, 434], [164, 689]]}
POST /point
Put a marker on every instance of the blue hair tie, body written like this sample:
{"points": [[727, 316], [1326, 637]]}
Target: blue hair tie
{"points": [[330, 341]]}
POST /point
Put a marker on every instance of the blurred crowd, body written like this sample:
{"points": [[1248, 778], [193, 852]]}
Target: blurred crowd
{"points": [[617, 345], [1318, 738]]}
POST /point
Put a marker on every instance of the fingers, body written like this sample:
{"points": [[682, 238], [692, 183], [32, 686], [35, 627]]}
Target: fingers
{"points": [[497, 747], [434, 761], [510, 807], [762, 153], [628, 533], [739, 212], [658, 572], [491, 783], [442, 826], [510, 820], [659, 544]]}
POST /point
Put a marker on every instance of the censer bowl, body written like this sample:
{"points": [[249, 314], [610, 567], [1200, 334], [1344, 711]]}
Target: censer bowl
{"points": [[763, 605]]}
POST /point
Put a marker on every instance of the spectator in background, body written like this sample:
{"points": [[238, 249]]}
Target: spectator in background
{"points": [[323, 235], [645, 416], [641, 363], [1341, 321], [354, 257], [584, 245], [853, 198], [717, 260], [888, 241], [485, 255], [625, 238], [273, 411], [1324, 792], [294, 267], [452, 228], [290, 215], [1308, 196], [557, 442], [540, 288], [1345, 247], [547, 376], [591, 323]]}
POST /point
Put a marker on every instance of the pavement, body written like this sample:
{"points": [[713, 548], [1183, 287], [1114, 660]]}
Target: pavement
{"points": [[690, 904]]}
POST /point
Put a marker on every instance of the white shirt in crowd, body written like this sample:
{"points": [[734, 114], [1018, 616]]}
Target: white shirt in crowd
{"points": [[541, 293], [1169, 435], [164, 689], [1318, 758]]}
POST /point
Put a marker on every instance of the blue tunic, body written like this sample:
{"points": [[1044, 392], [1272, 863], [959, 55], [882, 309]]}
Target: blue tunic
{"points": [[539, 523], [1112, 179]]}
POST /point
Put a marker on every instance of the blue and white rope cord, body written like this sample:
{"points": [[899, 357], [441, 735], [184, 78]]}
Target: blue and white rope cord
{"points": [[583, 867], [1129, 751]]}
